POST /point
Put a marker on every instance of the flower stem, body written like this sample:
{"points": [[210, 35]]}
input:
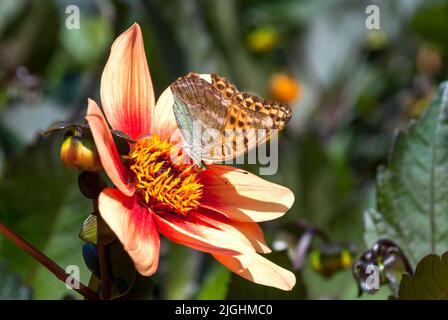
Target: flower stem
{"points": [[46, 262], [103, 257], [104, 270]]}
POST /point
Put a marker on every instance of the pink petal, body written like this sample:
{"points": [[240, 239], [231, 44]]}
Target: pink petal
{"points": [[259, 270], [243, 196], [195, 232], [110, 159], [134, 226], [127, 94]]}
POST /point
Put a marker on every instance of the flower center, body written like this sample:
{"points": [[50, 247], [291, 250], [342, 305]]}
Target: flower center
{"points": [[164, 181]]}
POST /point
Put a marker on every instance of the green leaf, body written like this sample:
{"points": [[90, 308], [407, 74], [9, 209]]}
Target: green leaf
{"points": [[430, 281], [412, 191], [96, 230], [242, 289], [88, 231], [41, 202]]}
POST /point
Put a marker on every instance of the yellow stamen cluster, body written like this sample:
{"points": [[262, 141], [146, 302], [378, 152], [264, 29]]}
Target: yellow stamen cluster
{"points": [[164, 181]]}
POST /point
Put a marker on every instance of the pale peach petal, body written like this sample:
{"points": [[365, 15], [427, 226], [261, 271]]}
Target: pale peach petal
{"points": [[163, 121], [254, 234], [110, 159], [248, 232], [194, 232], [259, 270], [243, 196], [127, 94], [134, 226]]}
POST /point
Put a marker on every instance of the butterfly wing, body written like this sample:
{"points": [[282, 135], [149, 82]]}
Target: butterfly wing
{"points": [[219, 123]]}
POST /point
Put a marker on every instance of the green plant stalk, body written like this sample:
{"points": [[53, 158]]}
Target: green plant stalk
{"points": [[53, 267]]}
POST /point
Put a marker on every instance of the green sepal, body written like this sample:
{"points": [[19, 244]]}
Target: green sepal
{"points": [[89, 231]]}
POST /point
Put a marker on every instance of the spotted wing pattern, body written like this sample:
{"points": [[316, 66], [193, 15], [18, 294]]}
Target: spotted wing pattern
{"points": [[235, 121]]}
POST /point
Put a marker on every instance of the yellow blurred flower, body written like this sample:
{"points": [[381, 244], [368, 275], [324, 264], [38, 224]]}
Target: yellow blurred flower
{"points": [[263, 39]]}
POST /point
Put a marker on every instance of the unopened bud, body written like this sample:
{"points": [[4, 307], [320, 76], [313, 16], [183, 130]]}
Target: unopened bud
{"points": [[78, 152]]}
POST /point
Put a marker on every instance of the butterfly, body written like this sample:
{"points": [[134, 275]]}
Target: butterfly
{"points": [[219, 123]]}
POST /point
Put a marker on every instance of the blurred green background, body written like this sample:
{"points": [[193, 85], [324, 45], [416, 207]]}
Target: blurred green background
{"points": [[351, 88]]}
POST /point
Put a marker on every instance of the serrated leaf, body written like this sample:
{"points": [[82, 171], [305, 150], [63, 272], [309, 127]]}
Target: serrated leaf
{"points": [[412, 191], [430, 281]]}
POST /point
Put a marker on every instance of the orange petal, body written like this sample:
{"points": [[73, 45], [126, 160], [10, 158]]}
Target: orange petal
{"points": [[163, 121], [259, 270], [127, 94], [134, 226], [194, 232], [243, 196], [110, 159], [248, 232]]}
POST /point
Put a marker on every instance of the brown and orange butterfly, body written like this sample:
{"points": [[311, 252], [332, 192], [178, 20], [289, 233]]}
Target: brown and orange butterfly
{"points": [[219, 123]]}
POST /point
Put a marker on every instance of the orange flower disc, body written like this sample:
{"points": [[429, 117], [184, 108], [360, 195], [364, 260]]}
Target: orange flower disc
{"points": [[164, 181]]}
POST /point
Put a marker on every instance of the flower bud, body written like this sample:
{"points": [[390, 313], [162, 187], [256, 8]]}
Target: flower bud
{"points": [[78, 152], [91, 258]]}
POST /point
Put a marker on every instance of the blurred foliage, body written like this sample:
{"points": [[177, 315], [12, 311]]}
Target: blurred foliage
{"points": [[46, 210], [357, 87], [11, 287], [215, 285]]}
